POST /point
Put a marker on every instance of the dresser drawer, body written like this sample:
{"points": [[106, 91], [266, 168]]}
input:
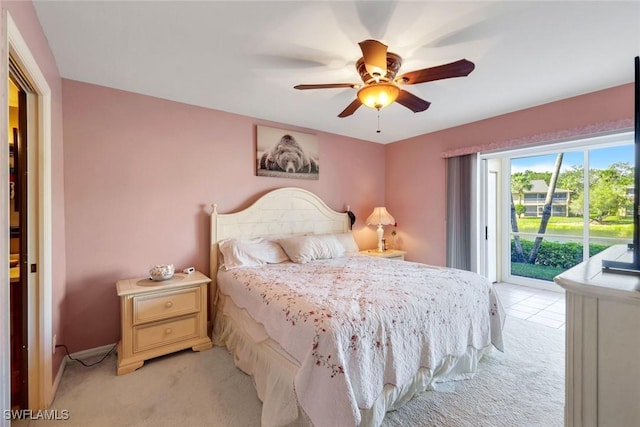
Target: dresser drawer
{"points": [[152, 307], [158, 334]]}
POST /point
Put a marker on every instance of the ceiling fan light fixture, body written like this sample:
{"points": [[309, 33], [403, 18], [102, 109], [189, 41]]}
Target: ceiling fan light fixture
{"points": [[378, 69], [378, 95]]}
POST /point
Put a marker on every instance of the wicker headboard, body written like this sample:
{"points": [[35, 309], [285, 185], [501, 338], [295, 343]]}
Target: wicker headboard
{"points": [[285, 211]]}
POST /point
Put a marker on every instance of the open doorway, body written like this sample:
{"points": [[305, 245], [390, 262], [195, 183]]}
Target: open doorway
{"points": [[18, 242]]}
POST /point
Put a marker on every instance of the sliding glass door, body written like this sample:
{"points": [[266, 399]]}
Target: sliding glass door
{"points": [[561, 204], [545, 234]]}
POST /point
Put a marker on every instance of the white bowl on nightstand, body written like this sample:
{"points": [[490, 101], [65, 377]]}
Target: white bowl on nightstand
{"points": [[161, 272]]}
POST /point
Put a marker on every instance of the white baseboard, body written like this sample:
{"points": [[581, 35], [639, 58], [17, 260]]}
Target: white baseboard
{"points": [[58, 378], [91, 352]]}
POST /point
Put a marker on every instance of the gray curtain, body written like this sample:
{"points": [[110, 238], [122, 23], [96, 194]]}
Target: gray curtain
{"points": [[461, 212]]}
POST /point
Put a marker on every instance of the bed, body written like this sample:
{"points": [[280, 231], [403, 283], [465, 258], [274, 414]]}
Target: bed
{"points": [[332, 337]]}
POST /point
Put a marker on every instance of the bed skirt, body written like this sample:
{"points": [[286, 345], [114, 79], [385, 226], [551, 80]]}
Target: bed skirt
{"points": [[273, 371]]}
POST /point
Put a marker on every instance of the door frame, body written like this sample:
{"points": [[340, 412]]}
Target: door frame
{"points": [[489, 217], [39, 283], [493, 226]]}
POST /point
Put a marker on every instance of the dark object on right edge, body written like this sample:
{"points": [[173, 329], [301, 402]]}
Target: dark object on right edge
{"points": [[632, 267]]}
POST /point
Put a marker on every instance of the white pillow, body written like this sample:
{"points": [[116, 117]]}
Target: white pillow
{"points": [[349, 243], [302, 249], [250, 252]]}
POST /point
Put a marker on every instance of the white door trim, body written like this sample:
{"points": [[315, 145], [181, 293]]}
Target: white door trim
{"points": [[39, 283], [5, 331], [483, 256], [492, 226]]}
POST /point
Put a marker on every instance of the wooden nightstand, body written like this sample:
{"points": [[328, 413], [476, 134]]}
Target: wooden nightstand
{"points": [[389, 253], [158, 318]]}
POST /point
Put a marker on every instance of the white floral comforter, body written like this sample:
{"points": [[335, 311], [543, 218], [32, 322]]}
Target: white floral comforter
{"points": [[357, 323]]}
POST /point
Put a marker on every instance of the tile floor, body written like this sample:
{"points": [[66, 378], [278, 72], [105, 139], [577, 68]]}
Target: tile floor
{"points": [[535, 305]]}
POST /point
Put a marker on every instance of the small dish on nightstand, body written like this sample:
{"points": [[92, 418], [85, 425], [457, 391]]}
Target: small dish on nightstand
{"points": [[161, 272]]}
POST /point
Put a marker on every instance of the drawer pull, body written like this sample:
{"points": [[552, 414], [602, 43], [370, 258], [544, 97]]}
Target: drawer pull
{"points": [[167, 331], [168, 304]]}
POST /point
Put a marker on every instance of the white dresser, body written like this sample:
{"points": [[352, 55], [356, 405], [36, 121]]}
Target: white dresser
{"points": [[603, 343]]}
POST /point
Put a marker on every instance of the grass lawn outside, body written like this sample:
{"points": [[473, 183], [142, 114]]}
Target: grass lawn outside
{"points": [[533, 271], [612, 227]]}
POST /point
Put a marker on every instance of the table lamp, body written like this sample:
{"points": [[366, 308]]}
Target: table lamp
{"points": [[380, 217]]}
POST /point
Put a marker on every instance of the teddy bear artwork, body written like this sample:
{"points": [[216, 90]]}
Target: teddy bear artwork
{"points": [[287, 154]]}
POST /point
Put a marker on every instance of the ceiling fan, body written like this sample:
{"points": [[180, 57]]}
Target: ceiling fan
{"points": [[381, 87]]}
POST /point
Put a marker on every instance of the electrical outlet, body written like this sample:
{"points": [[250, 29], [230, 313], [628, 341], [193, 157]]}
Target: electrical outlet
{"points": [[54, 343]]}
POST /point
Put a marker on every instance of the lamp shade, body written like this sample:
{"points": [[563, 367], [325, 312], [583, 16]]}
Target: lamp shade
{"points": [[380, 216], [378, 95]]}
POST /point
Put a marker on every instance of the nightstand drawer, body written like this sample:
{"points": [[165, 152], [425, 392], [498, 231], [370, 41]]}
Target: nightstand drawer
{"points": [[147, 308], [159, 334]]}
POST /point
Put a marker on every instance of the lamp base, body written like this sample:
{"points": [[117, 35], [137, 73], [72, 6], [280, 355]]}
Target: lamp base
{"points": [[380, 236]]}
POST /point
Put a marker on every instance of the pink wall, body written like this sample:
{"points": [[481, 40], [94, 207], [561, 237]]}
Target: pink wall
{"points": [[135, 165], [140, 175], [27, 22], [415, 169]]}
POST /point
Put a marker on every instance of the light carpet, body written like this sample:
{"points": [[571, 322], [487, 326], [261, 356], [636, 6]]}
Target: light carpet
{"points": [[524, 386]]}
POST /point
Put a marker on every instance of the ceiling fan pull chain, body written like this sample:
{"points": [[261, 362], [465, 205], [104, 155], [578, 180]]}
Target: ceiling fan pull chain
{"points": [[378, 131]]}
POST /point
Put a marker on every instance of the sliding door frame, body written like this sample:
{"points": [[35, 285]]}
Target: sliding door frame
{"points": [[504, 202]]}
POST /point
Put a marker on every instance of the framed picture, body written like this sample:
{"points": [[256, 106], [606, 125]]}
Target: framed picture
{"points": [[286, 154]]}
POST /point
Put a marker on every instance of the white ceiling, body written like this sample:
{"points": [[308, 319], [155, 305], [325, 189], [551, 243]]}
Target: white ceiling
{"points": [[245, 57]]}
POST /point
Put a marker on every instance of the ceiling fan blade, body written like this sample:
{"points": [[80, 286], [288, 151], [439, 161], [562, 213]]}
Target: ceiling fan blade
{"points": [[459, 68], [326, 86], [412, 102], [351, 108], [374, 54]]}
